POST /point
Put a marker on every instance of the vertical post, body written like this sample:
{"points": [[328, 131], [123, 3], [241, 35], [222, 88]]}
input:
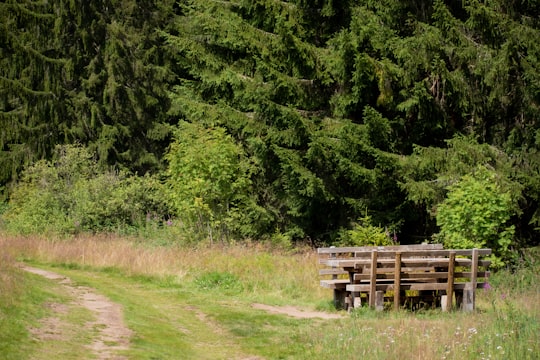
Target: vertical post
{"points": [[337, 294], [450, 285], [379, 300], [397, 282], [357, 300], [469, 294], [373, 279]]}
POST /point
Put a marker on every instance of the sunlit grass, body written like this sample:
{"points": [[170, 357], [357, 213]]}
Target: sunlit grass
{"points": [[221, 282]]}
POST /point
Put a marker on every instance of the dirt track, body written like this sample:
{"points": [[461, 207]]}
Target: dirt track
{"points": [[113, 335]]}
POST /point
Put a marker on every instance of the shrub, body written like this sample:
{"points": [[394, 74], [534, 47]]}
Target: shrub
{"points": [[73, 193], [475, 214], [365, 234]]}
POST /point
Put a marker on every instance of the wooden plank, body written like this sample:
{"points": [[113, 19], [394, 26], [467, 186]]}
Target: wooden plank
{"points": [[450, 284], [414, 262], [373, 279], [333, 271], [418, 275], [353, 249], [423, 253], [334, 284], [397, 281], [365, 288]]}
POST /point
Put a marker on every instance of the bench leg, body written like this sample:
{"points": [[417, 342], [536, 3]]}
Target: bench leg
{"points": [[339, 298], [356, 300], [379, 300], [468, 300], [459, 294], [446, 302]]}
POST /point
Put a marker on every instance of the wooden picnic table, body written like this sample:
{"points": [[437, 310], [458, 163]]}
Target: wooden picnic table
{"points": [[434, 272]]}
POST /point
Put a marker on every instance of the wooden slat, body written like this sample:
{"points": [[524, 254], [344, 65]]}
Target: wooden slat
{"points": [[408, 286], [332, 271], [423, 253], [415, 275], [414, 262], [353, 249], [334, 284]]}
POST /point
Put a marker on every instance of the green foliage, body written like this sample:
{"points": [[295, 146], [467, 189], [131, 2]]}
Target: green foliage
{"points": [[323, 98], [209, 183], [74, 194], [475, 214], [364, 233]]}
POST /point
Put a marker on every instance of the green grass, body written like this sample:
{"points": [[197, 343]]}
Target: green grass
{"points": [[197, 304], [24, 305]]}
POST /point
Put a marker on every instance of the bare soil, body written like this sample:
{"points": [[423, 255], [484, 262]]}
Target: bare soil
{"points": [[296, 312], [112, 334]]}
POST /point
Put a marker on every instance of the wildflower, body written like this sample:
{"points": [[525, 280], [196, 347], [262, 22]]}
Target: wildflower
{"points": [[169, 222], [487, 286], [503, 296]]}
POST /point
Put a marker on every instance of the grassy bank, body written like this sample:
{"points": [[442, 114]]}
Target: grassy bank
{"points": [[197, 303]]}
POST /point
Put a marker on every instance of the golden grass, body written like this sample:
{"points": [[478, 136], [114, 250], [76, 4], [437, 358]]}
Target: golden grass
{"points": [[256, 265]]}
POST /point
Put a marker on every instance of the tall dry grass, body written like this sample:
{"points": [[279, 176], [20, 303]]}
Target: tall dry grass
{"points": [[259, 267], [10, 278]]}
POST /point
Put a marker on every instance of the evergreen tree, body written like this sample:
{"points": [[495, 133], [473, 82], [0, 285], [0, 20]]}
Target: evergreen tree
{"points": [[86, 72]]}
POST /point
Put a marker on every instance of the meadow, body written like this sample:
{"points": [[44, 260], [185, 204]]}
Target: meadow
{"points": [[196, 302]]}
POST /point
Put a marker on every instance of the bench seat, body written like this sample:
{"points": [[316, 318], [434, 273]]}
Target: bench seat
{"points": [[335, 283]]}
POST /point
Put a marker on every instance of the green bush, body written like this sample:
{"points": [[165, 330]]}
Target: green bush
{"points": [[475, 215], [364, 233], [72, 193], [209, 183]]}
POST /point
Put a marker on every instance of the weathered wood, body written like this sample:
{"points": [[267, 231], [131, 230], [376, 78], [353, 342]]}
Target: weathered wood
{"points": [[379, 300], [353, 249], [333, 271], [469, 295], [373, 279], [450, 284], [419, 275], [397, 281], [340, 296], [430, 272], [357, 299], [467, 301], [422, 253], [444, 302], [412, 262], [364, 288], [334, 283]]}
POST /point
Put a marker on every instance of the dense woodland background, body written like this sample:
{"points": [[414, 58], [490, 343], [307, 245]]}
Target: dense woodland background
{"points": [[327, 121]]}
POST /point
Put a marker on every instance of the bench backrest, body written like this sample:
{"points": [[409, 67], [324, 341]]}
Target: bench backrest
{"points": [[337, 251]]}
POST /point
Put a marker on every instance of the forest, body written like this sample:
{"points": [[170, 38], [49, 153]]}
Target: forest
{"points": [[326, 122]]}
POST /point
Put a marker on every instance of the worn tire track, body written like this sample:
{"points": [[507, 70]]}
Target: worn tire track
{"points": [[112, 334]]}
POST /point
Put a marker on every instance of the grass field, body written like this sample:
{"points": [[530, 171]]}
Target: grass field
{"points": [[196, 303]]}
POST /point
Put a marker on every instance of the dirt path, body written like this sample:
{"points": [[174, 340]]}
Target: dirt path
{"points": [[295, 312], [112, 333]]}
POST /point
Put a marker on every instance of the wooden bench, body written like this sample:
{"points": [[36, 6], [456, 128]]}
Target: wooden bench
{"points": [[432, 272], [340, 278]]}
